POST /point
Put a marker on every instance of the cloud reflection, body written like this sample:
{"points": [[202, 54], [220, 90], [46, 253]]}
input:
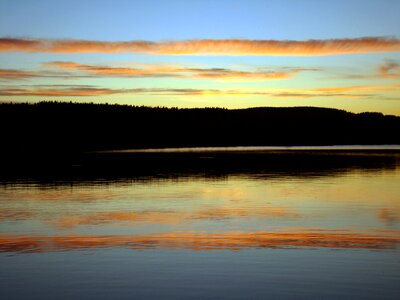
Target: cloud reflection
{"points": [[14, 215], [161, 217], [388, 215], [171, 216], [203, 241]]}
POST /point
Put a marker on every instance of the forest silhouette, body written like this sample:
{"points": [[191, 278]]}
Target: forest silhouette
{"points": [[65, 127]]}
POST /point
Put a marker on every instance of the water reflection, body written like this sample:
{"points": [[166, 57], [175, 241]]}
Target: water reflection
{"points": [[201, 241], [388, 215], [117, 226], [348, 192], [171, 216]]}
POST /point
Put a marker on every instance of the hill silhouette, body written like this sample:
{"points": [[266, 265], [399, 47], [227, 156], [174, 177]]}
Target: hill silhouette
{"points": [[64, 127]]}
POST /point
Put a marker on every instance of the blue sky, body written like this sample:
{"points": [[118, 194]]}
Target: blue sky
{"points": [[182, 19], [360, 81]]}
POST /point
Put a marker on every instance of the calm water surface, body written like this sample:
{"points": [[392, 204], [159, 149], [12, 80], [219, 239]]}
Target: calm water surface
{"points": [[291, 234]]}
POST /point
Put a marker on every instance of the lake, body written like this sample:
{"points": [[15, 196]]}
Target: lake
{"points": [[267, 223]]}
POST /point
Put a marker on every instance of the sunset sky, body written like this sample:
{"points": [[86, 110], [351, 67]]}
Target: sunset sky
{"points": [[221, 53]]}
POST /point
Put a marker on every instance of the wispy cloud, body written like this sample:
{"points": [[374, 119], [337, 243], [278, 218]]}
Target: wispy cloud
{"points": [[59, 92], [357, 91], [10, 74], [13, 74], [95, 70], [87, 90], [390, 69], [360, 88], [313, 94], [207, 46], [149, 70]]}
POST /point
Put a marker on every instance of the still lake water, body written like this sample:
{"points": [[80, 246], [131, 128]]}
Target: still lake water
{"points": [[288, 233]]}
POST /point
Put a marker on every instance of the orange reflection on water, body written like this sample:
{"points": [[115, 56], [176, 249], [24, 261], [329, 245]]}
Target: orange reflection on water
{"points": [[388, 215], [11, 214], [171, 216], [165, 217], [226, 212], [203, 241]]}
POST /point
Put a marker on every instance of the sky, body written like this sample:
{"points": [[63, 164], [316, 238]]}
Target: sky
{"points": [[233, 54]]}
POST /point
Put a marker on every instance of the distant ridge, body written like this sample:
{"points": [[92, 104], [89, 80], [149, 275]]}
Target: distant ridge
{"points": [[74, 127]]}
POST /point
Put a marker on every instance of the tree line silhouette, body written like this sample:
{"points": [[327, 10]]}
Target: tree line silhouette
{"points": [[75, 127]]}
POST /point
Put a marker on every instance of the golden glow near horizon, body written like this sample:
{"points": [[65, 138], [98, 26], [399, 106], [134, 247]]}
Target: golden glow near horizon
{"points": [[191, 85]]}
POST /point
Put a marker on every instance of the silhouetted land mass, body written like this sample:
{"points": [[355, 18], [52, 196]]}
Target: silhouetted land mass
{"points": [[58, 133], [58, 126]]}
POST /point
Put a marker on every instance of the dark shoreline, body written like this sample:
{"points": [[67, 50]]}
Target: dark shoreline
{"points": [[114, 166]]}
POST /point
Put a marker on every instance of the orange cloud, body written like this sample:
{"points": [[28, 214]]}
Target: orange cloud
{"points": [[345, 91], [360, 88], [59, 92], [96, 91], [160, 71], [175, 71], [234, 75], [208, 47], [84, 90], [16, 74], [11, 74], [319, 95], [202, 241], [71, 46]]}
